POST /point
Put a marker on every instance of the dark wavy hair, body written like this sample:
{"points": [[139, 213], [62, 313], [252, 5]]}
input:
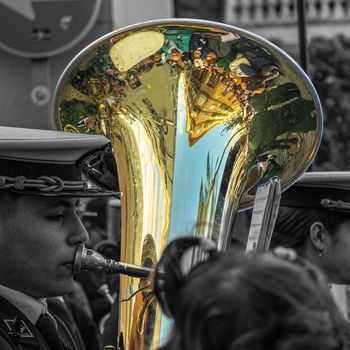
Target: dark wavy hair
{"points": [[293, 225], [237, 301]]}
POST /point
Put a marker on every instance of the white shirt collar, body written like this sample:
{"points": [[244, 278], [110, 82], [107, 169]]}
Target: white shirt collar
{"points": [[32, 308]]}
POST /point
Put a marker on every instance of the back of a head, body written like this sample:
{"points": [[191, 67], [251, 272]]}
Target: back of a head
{"points": [[242, 301]]}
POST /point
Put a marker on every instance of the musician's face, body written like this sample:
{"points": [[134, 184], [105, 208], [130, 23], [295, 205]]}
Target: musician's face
{"points": [[335, 259], [38, 240]]}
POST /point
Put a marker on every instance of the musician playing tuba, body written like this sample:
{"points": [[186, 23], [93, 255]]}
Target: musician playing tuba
{"points": [[43, 174]]}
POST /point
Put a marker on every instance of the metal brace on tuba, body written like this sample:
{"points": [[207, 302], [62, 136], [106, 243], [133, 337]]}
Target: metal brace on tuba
{"points": [[199, 115]]}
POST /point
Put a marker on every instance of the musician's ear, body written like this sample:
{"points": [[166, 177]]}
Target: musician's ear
{"points": [[317, 235]]}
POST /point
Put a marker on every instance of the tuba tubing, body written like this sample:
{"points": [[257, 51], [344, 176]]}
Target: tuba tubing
{"points": [[89, 260]]}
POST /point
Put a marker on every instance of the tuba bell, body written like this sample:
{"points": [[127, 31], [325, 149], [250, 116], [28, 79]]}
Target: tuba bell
{"points": [[199, 115]]}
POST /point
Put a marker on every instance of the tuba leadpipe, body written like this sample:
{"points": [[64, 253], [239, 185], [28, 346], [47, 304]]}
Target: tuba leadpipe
{"points": [[199, 115]]}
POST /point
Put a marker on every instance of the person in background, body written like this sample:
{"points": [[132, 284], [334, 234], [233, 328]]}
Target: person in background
{"points": [[94, 218], [101, 288], [234, 300], [83, 317], [42, 176], [314, 219]]}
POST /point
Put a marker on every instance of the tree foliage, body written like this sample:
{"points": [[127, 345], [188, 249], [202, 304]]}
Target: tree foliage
{"points": [[330, 72]]}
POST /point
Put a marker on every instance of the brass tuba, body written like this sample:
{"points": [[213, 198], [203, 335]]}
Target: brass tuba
{"points": [[199, 115]]}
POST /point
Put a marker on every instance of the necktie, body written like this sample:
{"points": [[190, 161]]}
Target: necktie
{"points": [[48, 330]]}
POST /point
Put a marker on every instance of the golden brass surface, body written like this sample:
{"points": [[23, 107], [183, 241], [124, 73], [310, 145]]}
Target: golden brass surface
{"points": [[199, 115]]}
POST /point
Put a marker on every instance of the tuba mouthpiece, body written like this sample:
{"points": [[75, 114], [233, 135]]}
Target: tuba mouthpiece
{"points": [[89, 260]]}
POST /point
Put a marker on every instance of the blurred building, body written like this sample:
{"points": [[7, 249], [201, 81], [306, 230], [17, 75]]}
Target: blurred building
{"points": [[276, 20], [127, 12]]}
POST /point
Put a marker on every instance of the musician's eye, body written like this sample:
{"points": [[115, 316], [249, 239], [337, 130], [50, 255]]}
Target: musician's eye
{"points": [[56, 217]]}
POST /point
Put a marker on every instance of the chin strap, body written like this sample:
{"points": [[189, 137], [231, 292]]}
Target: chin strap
{"points": [[43, 183]]}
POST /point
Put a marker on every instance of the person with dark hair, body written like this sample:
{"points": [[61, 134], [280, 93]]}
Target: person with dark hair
{"points": [[94, 218], [101, 288], [314, 219], [42, 176], [238, 301]]}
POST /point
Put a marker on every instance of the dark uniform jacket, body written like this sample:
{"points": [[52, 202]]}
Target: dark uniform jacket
{"points": [[18, 333]]}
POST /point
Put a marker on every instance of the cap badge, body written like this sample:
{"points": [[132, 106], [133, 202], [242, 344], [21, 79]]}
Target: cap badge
{"points": [[331, 204]]}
